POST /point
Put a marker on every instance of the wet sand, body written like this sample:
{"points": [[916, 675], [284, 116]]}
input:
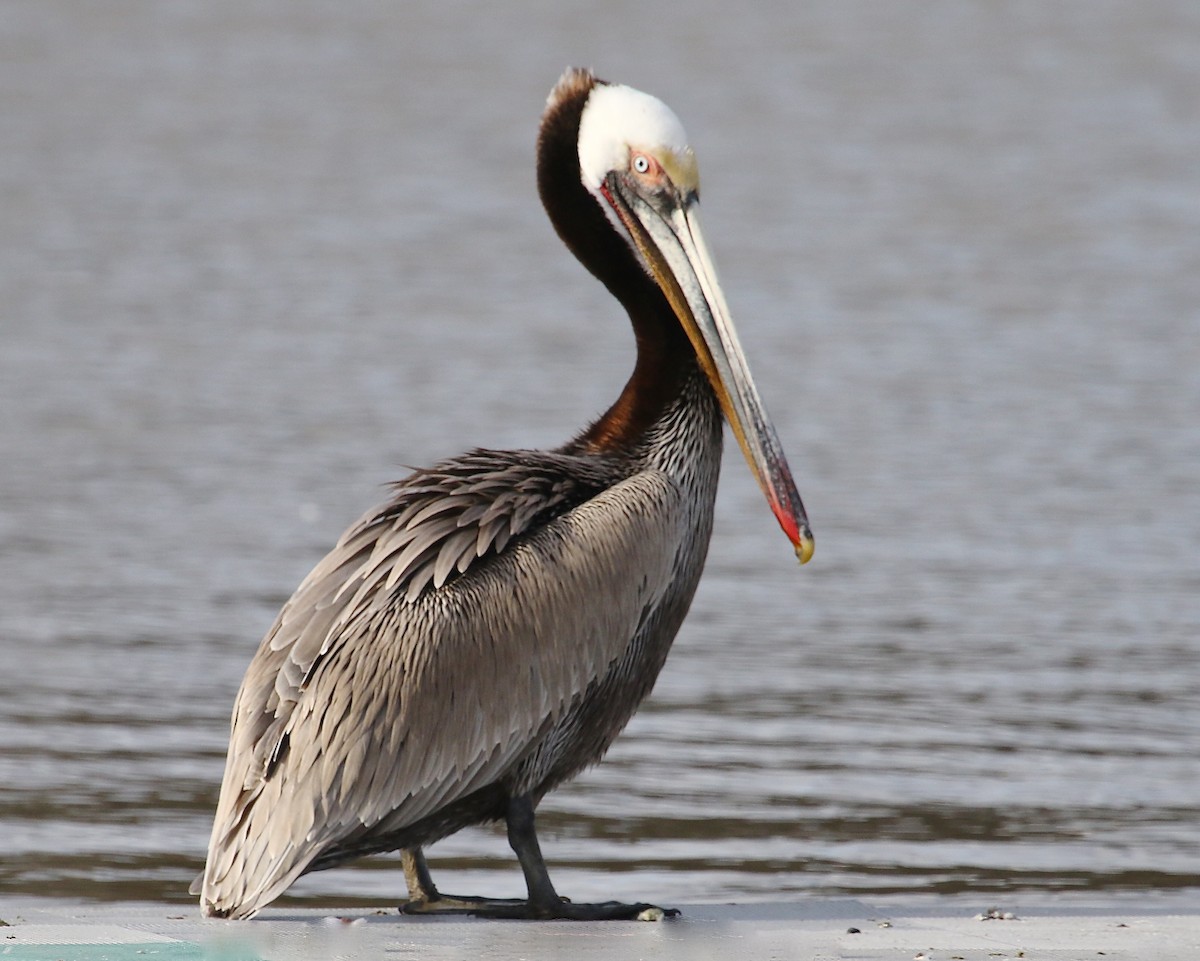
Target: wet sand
{"points": [[806, 929]]}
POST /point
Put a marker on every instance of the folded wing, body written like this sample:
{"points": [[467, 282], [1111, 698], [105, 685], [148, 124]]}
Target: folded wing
{"points": [[426, 654]]}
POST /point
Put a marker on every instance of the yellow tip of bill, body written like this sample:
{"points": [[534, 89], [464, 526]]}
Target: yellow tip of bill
{"points": [[805, 546]]}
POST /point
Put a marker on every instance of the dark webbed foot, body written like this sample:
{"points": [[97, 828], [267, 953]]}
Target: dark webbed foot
{"points": [[518, 909], [569, 911], [453, 904]]}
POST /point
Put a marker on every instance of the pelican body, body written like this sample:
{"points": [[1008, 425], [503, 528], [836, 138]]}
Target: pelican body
{"points": [[486, 634]]}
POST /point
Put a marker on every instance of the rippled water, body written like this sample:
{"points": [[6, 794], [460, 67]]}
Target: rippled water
{"points": [[254, 258]]}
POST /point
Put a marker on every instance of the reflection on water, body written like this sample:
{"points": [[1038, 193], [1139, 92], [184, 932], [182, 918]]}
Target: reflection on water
{"points": [[253, 265]]}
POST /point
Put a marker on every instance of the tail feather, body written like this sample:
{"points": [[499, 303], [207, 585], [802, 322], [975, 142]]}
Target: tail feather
{"points": [[262, 841]]}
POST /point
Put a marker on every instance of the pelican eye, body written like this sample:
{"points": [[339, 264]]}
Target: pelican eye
{"points": [[646, 166]]}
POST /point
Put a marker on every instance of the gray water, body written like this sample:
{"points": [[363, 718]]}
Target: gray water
{"points": [[254, 258]]}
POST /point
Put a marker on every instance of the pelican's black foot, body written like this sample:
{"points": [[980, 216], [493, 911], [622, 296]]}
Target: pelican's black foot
{"points": [[563, 910], [604, 911], [518, 909], [455, 904]]}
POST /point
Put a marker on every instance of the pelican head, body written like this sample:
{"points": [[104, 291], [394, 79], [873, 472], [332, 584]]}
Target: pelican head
{"points": [[638, 168]]}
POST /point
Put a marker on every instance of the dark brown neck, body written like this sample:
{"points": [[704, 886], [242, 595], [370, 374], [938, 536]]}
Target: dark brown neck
{"points": [[665, 356], [664, 360]]}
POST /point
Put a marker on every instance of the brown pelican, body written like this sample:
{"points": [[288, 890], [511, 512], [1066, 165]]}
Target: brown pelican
{"points": [[487, 633]]}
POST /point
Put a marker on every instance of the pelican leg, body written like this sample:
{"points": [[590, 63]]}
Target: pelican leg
{"points": [[544, 902], [425, 898], [417, 876]]}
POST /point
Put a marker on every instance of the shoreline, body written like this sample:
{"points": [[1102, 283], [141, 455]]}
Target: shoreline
{"points": [[826, 928]]}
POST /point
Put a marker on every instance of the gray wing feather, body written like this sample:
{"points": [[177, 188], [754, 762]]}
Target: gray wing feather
{"points": [[404, 673]]}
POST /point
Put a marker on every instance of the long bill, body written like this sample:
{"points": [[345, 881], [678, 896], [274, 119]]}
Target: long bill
{"points": [[667, 231]]}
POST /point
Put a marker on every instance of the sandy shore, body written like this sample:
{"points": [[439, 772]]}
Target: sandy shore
{"points": [[801, 930]]}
